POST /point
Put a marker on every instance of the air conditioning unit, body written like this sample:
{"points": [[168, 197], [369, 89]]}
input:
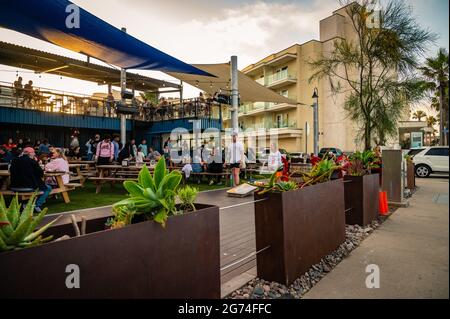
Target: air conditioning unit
{"points": [[127, 95], [125, 109]]}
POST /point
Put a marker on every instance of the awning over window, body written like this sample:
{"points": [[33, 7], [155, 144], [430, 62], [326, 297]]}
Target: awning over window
{"points": [[249, 90], [46, 20]]}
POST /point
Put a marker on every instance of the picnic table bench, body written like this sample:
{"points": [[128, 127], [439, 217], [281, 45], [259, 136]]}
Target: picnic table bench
{"points": [[201, 174], [114, 173], [61, 188]]}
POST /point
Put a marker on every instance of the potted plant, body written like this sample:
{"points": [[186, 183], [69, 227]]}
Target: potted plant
{"points": [[297, 223], [361, 189], [126, 254]]}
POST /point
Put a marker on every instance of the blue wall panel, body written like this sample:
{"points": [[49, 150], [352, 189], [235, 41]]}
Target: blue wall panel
{"points": [[21, 116]]}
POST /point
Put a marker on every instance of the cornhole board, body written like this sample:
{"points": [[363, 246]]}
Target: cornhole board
{"points": [[243, 190]]}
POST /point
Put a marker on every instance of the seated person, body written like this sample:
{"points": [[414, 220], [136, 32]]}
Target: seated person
{"points": [[6, 156], [58, 163], [153, 155], [27, 176], [197, 167], [187, 168], [28, 93]]}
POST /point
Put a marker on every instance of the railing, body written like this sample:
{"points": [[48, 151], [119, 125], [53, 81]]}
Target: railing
{"points": [[279, 76], [47, 100]]}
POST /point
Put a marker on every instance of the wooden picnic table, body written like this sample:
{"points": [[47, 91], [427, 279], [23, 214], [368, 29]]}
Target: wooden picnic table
{"points": [[60, 189], [112, 173], [76, 175], [88, 165]]}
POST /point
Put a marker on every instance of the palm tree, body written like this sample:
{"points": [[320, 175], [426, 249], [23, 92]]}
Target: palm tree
{"points": [[431, 122], [435, 71], [418, 115]]}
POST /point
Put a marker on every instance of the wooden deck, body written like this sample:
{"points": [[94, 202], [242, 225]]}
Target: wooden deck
{"points": [[237, 232]]}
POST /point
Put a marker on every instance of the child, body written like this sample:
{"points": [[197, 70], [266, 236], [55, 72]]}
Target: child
{"points": [[140, 156], [187, 168]]}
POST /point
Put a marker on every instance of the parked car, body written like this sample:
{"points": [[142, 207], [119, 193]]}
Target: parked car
{"points": [[263, 154], [414, 151], [324, 151], [431, 160], [297, 157]]}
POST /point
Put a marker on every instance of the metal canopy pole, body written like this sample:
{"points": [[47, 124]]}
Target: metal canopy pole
{"points": [[123, 88], [234, 94], [316, 121]]}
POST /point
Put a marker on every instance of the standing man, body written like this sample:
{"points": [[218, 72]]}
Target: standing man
{"points": [[235, 158], [144, 147], [116, 143]]}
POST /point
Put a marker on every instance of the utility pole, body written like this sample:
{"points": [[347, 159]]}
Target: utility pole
{"points": [[306, 137], [123, 88], [442, 119], [316, 121], [234, 94]]}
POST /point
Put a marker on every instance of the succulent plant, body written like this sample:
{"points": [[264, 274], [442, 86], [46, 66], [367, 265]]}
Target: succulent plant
{"points": [[18, 229], [187, 196], [154, 195]]}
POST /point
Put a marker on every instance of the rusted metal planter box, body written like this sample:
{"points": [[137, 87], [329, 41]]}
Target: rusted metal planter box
{"points": [[301, 227], [410, 175], [361, 199], [142, 260]]}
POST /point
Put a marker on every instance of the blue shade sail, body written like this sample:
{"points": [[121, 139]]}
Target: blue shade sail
{"points": [[47, 20]]}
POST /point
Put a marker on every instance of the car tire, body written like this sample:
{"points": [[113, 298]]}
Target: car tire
{"points": [[423, 171]]}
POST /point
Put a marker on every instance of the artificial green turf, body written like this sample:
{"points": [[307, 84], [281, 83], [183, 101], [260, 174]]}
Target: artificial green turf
{"points": [[85, 197]]}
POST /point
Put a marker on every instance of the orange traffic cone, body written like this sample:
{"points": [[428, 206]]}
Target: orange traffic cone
{"points": [[383, 204]]}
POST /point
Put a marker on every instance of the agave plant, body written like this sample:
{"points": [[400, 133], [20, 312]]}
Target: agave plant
{"points": [[18, 229], [153, 195]]}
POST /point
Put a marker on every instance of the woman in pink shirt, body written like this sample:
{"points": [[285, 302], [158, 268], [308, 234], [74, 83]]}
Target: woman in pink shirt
{"points": [[105, 151], [58, 163]]}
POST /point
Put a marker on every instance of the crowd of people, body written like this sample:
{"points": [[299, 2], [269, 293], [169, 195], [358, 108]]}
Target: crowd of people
{"points": [[28, 161]]}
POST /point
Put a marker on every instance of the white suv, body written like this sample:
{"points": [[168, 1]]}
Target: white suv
{"points": [[431, 160]]}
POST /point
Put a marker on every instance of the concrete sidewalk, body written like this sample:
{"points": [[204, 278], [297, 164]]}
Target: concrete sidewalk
{"points": [[411, 249]]}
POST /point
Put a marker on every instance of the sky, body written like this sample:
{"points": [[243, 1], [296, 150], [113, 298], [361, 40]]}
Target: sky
{"points": [[210, 31]]}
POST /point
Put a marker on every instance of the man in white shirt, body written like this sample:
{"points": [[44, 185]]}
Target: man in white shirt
{"points": [[235, 157], [274, 160]]}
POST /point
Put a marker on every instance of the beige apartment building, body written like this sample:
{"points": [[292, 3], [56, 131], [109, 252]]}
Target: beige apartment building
{"points": [[288, 72]]}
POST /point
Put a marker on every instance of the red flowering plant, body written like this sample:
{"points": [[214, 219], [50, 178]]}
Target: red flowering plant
{"points": [[360, 164]]}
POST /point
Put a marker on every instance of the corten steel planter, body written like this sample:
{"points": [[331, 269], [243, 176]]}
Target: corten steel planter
{"points": [[142, 260], [301, 227], [410, 175], [361, 199]]}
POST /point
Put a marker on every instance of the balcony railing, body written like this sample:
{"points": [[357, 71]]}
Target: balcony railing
{"points": [[267, 125], [47, 100], [279, 76]]}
